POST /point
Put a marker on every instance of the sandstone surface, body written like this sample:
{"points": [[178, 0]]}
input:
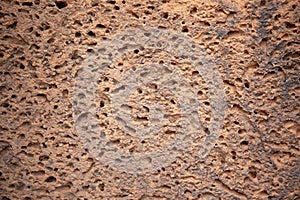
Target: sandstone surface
{"points": [[206, 108]]}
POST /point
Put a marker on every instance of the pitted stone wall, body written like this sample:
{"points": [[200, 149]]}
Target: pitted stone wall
{"points": [[207, 108]]}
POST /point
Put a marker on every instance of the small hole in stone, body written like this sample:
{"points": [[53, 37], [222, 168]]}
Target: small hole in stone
{"points": [[61, 4], [65, 93], [233, 154], [5, 104], [106, 89], [50, 179], [193, 10], [277, 16], [27, 4], [195, 73], [244, 143], [153, 86], [206, 130], [101, 186], [290, 25], [91, 33], [206, 103], [102, 104], [139, 91], [136, 51], [21, 136], [172, 101], [13, 25], [100, 26], [111, 2], [77, 34], [90, 51], [253, 174], [146, 108], [185, 29], [165, 15]]}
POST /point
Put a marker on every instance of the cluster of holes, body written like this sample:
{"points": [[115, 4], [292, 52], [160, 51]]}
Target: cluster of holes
{"points": [[62, 4], [105, 83]]}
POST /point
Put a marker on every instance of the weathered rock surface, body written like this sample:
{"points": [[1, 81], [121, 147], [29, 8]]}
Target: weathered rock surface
{"points": [[249, 53]]}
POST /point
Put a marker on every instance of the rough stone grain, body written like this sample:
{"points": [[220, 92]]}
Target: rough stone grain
{"points": [[255, 46]]}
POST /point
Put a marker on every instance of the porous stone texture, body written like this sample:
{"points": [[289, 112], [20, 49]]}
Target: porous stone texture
{"points": [[154, 108], [253, 51]]}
